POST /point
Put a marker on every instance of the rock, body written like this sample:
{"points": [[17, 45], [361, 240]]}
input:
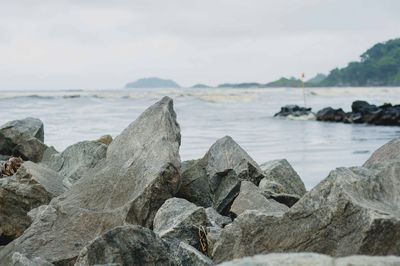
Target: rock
{"points": [[331, 115], [213, 235], [189, 256], [287, 199], [19, 259], [77, 160], [388, 152], [353, 211], [23, 138], [30, 187], [106, 139], [294, 111], [281, 172], [314, 259], [127, 245], [179, 220], [214, 180], [140, 172], [251, 198], [215, 219]]}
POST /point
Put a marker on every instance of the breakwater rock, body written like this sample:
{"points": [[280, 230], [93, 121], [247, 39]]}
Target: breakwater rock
{"points": [[130, 201]]}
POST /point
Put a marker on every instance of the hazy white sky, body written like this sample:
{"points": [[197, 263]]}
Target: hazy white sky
{"points": [[72, 44]]}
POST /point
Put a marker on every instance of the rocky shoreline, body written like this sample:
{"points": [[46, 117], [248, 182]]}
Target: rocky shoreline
{"points": [[131, 201], [362, 112]]}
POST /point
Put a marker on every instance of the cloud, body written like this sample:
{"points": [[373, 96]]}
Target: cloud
{"points": [[104, 44]]}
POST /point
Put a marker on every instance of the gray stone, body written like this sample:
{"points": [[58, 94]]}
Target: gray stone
{"points": [[281, 172], [214, 180], [19, 259], [215, 219], [127, 245], [31, 186], [353, 211], [179, 220], [189, 256], [213, 235], [251, 198], [77, 160], [287, 199], [388, 152], [23, 138], [140, 172], [312, 259]]}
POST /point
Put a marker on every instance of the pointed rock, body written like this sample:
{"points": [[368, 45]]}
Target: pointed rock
{"points": [[140, 172]]}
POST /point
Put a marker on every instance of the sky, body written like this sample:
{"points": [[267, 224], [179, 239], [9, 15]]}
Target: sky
{"points": [[104, 44]]}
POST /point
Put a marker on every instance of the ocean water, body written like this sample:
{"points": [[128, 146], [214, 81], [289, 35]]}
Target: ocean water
{"points": [[313, 148]]}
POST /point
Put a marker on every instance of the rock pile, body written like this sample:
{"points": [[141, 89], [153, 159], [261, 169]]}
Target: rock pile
{"points": [[361, 112], [130, 201]]}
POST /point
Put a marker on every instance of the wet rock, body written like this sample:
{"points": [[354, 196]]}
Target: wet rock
{"points": [[214, 180], [127, 245], [251, 198], [77, 160], [353, 211], [140, 172], [293, 110], [23, 138], [189, 256], [179, 220], [331, 115], [281, 172], [306, 259], [30, 187]]}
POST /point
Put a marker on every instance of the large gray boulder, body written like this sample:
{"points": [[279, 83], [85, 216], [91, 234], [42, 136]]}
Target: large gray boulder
{"points": [[251, 198], [23, 138], [215, 179], [31, 186], [180, 221], [314, 259], [127, 245], [77, 160], [140, 172], [353, 211], [281, 172]]}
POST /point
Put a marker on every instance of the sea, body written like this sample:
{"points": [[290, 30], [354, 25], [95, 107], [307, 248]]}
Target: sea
{"points": [[247, 115]]}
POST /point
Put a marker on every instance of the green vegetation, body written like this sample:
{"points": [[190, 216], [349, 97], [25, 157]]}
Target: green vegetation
{"points": [[284, 82], [379, 66]]}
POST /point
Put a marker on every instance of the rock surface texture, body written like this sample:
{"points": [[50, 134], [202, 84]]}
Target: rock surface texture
{"points": [[215, 179], [312, 259], [140, 172], [353, 211], [23, 138]]}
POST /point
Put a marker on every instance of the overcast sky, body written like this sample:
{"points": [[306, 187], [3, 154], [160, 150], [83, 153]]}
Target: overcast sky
{"points": [[67, 44]]}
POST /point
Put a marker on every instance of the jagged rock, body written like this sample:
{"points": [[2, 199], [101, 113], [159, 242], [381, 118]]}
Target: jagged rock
{"points": [[127, 245], [30, 187], [251, 198], [19, 259], [189, 256], [314, 259], [23, 138], [214, 180], [77, 160], [331, 115], [353, 211], [140, 172], [281, 172], [294, 110], [216, 219], [179, 220]]}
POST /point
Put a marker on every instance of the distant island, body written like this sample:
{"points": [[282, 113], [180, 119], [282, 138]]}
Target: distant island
{"points": [[152, 82], [378, 66]]}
